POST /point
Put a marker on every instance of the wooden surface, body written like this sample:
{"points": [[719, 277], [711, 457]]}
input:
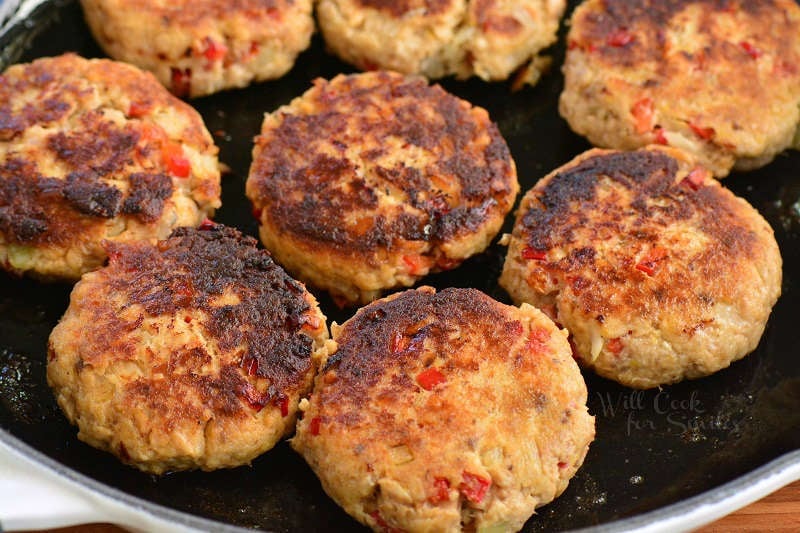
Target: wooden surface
{"points": [[778, 512]]}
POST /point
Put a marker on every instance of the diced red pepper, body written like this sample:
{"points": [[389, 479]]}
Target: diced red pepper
{"points": [[251, 364], [649, 263], [414, 264], [253, 51], [399, 343], [703, 133], [283, 403], [151, 132], [572, 44], [255, 399], [695, 179], [441, 490], [562, 464], [207, 224], [214, 51], [313, 426], [658, 131], [187, 319], [530, 253], [474, 487], [646, 267], [257, 213], [138, 109], [614, 345], [643, 112], [429, 378], [177, 164], [751, 50], [620, 37], [181, 81]]}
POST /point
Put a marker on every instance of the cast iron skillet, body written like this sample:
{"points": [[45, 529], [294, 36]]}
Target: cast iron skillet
{"points": [[653, 448]]}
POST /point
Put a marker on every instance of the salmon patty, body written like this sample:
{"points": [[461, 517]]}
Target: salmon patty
{"points": [[370, 181], [94, 150], [201, 47], [658, 271], [485, 38], [717, 78], [446, 411], [193, 353]]}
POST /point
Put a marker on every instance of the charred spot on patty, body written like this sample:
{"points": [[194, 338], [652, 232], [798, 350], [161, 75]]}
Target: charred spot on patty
{"points": [[432, 120], [650, 178], [192, 268], [390, 333]]}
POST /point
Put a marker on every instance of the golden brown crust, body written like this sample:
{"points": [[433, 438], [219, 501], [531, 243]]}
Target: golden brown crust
{"points": [[198, 48], [387, 338], [429, 391], [465, 175], [619, 245], [82, 148], [375, 167], [217, 333], [648, 198], [437, 38], [648, 20], [720, 78], [190, 271]]}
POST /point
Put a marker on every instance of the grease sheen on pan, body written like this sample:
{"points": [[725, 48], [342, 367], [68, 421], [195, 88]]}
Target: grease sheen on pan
{"points": [[192, 353], [94, 150], [486, 38], [200, 47], [370, 181], [717, 78], [446, 411], [658, 271]]}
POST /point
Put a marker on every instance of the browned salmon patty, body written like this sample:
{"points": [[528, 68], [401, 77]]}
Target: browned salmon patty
{"points": [[446, 411], [436, 38], [94, 150], [717, 78], [370, 181], [193, 353], [658, 271], [203, 46]]}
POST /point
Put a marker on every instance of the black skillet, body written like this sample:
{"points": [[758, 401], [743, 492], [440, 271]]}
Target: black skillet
{"points": [[653, 448]]}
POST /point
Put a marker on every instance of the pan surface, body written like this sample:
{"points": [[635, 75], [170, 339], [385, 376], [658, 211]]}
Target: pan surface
{"points": [[653, 448]]}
